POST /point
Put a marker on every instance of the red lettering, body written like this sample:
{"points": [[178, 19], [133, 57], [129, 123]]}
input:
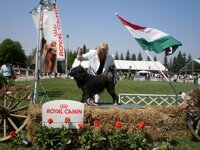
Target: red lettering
{"points": [[54, 111], [61, 49], [73, 111]]}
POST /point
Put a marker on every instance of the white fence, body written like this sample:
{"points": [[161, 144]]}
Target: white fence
{"points": [[150, 99], [24, 73]]}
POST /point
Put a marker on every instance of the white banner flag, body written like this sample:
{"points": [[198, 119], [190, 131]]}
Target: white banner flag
{"points": [[52, 45]]}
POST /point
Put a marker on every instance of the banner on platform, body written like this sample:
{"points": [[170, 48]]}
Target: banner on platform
{"points": [[59, 113], [47, 21]]}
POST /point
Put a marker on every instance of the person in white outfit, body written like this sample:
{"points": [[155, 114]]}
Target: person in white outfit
{"points": [[99, 61], [7, 70]]}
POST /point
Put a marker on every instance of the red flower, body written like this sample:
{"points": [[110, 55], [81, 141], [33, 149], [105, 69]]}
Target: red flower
{"points": [[141, 124], [96, 123], [185, 106], [80, 125], [67, 120], [118, 124], [50, 120], [12, 134]]}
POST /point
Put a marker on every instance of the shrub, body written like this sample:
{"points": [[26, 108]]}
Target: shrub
{"points": [[86, 139]]}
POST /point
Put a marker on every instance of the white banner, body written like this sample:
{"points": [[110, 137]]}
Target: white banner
{"points": [[52, 50]]}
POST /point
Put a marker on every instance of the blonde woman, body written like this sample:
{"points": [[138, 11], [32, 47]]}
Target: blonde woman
{"points": [[99, 61]]}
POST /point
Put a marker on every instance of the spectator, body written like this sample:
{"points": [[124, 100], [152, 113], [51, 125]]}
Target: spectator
{"points": [[7, 70]]}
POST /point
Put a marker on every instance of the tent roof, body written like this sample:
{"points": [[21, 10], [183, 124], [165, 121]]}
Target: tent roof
{"points": [[192, 66], [125, 65], [197, 60]]}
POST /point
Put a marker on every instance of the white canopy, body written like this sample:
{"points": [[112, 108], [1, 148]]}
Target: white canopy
{"points": [[126, 64], [191, 67]]}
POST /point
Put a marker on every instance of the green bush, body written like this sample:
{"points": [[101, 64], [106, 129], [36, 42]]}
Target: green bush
{"points": [[3, 81], [86, 139], [54, 138]]}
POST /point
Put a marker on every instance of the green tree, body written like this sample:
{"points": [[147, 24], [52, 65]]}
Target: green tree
{"points": [[170, 67], [178, 63], [184, 59], [12, 52], [85, 50], [133, 57], [189, 58], [140, 57], [148, 58], [127, 55], [116, 56], [70, 58], [155, 58], [31, 57], [121, 57], [165, 62]]}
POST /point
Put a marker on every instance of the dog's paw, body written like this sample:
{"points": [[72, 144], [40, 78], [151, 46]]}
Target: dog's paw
{"points": [[91, 102]]}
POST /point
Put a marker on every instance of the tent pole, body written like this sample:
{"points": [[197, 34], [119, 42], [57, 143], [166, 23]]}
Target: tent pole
{"points": [[162, 74], [35, 97]]}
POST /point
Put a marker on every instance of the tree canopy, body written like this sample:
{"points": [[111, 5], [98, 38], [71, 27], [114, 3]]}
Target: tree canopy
{"points": [[12, 52]]}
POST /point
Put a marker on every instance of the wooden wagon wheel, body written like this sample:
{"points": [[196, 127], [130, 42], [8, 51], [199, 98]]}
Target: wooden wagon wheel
{"points": [[13, 115]]}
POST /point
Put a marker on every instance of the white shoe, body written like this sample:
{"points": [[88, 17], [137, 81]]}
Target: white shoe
{"points": [[115, 104]]}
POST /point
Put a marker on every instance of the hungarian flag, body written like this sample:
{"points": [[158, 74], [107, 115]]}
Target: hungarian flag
{"points": [[152, 39]]}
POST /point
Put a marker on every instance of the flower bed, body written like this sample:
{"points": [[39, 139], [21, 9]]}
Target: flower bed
{"points": [[154, 123]]}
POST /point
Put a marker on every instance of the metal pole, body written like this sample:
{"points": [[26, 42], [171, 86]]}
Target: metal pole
{"points": [[35, 97], [67, 36], [162, 73]]}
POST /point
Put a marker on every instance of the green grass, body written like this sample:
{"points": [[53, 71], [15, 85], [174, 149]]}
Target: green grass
{"points": [[66, 89], [58, 89], [187, 144]]}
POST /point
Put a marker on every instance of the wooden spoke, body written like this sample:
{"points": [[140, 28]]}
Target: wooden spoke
{"points": [[5, 101], [12, 123], [10, 103], [15, 105], [21, 108], [19, 116], [5, 126]]}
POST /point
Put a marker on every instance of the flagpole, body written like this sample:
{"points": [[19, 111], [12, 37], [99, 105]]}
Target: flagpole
{"points": [[67, 36], [35, 97], [162, 73]]}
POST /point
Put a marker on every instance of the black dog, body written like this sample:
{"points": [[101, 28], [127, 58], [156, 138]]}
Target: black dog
{"points": [[91, 85]]}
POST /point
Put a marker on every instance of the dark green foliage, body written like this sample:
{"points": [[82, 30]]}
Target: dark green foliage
{"points": [[12, 52], [3, 81], [54, 138], [86, 139]]}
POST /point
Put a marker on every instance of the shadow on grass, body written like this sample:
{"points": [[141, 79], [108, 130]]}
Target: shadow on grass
{"points": [[52, 93]]}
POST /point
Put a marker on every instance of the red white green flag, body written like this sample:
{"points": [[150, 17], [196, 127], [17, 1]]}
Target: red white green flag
{"points": [[152, 39]]}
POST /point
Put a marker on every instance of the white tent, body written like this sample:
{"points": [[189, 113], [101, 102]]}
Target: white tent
{"points": [[125, 65], [191, 67]]}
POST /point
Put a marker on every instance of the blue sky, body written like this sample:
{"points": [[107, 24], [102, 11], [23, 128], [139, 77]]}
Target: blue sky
{"points": [[90, 22]]}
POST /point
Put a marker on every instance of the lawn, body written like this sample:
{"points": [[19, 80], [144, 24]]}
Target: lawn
{"points": [[66, 89]]}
